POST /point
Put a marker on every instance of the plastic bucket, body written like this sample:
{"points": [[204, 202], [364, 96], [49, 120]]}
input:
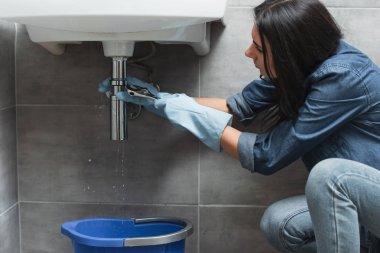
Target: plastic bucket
{"points": [[149, 235]]}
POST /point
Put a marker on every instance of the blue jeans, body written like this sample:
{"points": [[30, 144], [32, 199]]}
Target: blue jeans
{"points": [[340, 194]]}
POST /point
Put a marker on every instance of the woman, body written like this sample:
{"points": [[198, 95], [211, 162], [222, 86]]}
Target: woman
{"points": [[321, 100]]}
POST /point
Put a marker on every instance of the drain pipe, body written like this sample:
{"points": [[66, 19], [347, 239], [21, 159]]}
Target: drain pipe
{"points": [[119, 110], [119, 51]]}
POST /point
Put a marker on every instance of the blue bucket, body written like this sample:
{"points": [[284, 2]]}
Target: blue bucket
{"points": [[149, 235]]}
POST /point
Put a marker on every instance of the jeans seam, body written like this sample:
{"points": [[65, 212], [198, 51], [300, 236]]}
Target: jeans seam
{"points": [[334, 213], [282, 227], [337, 181], [336, 184]]}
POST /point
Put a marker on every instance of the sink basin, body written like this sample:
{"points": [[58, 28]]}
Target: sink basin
{"points": [[115, 20]]}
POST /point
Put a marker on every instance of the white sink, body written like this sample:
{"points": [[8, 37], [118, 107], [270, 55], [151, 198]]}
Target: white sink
{"points": [[65, 21]]}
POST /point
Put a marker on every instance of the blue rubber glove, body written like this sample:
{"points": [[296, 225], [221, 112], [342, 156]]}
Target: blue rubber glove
{"points": [[206, 123]]}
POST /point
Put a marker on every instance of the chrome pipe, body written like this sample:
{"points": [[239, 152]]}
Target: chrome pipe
{"points": [[119, 112]]}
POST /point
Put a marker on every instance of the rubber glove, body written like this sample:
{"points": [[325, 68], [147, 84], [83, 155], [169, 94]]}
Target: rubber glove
{"points": [[206, 123], [105, 85]]}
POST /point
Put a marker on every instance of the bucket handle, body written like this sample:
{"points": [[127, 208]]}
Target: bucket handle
{"points": [[161, 239]]}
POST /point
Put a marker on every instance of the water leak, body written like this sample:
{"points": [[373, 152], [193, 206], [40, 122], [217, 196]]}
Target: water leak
{"points": [[114, 171], [87, 188], [119, 187]]}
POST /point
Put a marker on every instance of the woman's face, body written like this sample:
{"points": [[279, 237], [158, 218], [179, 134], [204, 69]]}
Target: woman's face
{"points": [[255, 52]]}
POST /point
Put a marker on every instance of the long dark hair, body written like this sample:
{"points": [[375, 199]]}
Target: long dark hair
{"points": [[301, 34]]}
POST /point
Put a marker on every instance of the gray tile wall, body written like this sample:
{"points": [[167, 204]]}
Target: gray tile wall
{"points": [[9, 225], [68, 168]]}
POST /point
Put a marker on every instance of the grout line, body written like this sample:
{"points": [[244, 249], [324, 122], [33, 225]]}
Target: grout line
{"points": [[16, 121], [9, 209], [141, 204], [234, 206], [199, 164], [199, 197], [15, 61], [106, 203], [53, 105], [144, 204]]}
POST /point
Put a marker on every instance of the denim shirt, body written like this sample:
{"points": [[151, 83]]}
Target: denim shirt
{"points": [[339, 118]]}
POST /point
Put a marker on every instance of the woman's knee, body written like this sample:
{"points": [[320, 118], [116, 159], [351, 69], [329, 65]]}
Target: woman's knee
{"points": [[270, 226], [324, 175], [284, 223]]}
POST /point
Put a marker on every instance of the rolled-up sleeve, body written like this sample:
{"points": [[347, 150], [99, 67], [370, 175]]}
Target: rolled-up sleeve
{"points": [[245, 150], [256, 96], [332, 102]]}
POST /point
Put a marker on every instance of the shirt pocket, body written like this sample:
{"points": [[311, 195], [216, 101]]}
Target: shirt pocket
{"points": [[327, 149]]}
